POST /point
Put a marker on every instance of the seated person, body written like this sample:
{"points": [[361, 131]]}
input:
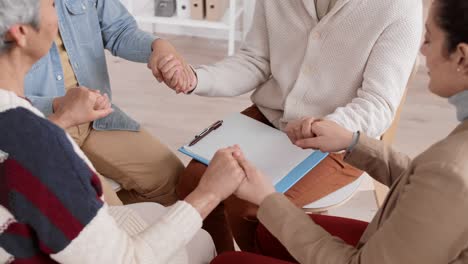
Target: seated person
{"points": [[116, 145], [342, 60], [52, 207], [423, 219]]}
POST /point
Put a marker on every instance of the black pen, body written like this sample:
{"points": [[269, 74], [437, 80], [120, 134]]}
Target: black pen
{"points": [[206, 132]]}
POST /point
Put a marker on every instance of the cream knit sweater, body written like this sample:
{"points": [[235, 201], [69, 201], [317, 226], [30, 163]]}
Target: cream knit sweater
{"points": [[352, 66], [116, 235]]}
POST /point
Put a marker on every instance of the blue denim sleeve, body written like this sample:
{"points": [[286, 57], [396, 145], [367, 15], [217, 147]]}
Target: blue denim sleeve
{"points": [[121, 34], [44, 104]]}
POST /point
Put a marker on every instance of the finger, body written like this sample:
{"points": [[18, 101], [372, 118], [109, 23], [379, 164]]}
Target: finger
{"points": [[109, 103], [310, 143], [105, 102], [165, 60], [170, 74], [192, 79], [100, 103], [298, 133], [183, 81], [292, 136], [189, 79], [169, 66], [307, 128], [243, 162], [175, 79], [152, 65], [98, 114], [95, 91], [316, 128], [157, 74]]}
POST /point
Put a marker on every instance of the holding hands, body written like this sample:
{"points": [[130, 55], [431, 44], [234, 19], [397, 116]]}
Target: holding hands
{"points": [[169, 67], [256, 186], [224, 175], [325, 135], [231, 173], [80, 105]]}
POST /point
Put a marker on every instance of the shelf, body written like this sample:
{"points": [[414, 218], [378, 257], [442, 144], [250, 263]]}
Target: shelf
{"points": [[228, 23], [190, 22]]}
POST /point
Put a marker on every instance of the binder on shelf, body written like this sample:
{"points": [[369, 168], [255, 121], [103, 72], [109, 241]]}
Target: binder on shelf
{"points": [[197, 9], [215, 9], [183, 8], [165, 8]]}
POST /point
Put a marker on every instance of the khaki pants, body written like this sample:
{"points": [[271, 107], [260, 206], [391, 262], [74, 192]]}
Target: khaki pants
{"points": [[145, 168]]}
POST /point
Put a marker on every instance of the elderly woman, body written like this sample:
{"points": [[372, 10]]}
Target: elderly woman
{"points": [[52, 207], [342, 60], [424, 218]]}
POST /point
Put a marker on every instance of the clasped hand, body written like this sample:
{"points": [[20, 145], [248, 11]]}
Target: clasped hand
{"points": [[80, 105], [169, 67], [231, 173]]}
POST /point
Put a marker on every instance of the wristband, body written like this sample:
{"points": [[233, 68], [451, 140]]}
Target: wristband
{"points": [[356, 136]]}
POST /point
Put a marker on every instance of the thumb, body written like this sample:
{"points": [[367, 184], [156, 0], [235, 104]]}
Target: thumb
{"points": [[310, 143], [243, 162], [98, 114]]}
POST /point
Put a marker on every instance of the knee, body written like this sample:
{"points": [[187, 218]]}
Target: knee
{"points": [[201, 249], [160, 177]]}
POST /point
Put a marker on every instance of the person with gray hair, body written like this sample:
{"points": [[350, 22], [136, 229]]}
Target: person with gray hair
{"points": [[23, 11], [75, 68], [52, 207]]}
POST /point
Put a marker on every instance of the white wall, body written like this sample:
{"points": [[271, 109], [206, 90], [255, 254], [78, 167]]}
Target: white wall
{"points": [[146, 7]]}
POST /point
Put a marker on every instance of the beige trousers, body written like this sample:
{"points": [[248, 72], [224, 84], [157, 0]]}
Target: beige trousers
{"points": [[145, 168]]}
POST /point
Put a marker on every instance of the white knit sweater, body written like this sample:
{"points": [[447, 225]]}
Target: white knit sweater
{"points": [[117, 234], [352, 66]]}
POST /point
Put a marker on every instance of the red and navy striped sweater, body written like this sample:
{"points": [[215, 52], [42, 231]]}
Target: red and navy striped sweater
{"points": [[50, 191], [51, 203]]}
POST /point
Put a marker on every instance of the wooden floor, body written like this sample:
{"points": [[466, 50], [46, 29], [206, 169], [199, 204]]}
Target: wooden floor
{"points": [[175, 119]]}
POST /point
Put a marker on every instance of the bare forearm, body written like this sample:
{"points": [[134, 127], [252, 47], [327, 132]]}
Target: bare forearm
{"points": [[204, 203]]}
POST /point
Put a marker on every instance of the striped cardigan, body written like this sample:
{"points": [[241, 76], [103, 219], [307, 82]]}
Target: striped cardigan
{"points": [[51, 204]]}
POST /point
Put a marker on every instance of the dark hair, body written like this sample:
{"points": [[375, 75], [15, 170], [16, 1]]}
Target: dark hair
{"points": [[452, 18]]}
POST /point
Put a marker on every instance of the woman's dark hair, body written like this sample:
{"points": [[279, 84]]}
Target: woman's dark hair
{"points": [[452, 17]]}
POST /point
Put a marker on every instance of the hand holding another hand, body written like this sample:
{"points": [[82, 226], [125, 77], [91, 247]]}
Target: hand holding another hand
{"points": [[169, 67], [224, 174], [221, 180], [300, 129], [256, 186], [325, 135], [78, 106]]}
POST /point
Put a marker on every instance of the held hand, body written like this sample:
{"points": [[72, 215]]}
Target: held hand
{"points": [[169, 67], [103, 102], [256, 186], [329, 137], [300, 129], [223, 176], [78, 106]]}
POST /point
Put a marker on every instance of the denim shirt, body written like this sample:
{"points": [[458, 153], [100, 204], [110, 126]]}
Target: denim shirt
{"points": [[87, 28]]}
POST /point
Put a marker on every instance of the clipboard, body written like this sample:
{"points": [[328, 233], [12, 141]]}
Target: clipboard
{"points": [[269, 149]]}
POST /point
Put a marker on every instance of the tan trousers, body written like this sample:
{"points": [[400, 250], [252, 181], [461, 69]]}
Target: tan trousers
{"points": [[145, 168]]}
